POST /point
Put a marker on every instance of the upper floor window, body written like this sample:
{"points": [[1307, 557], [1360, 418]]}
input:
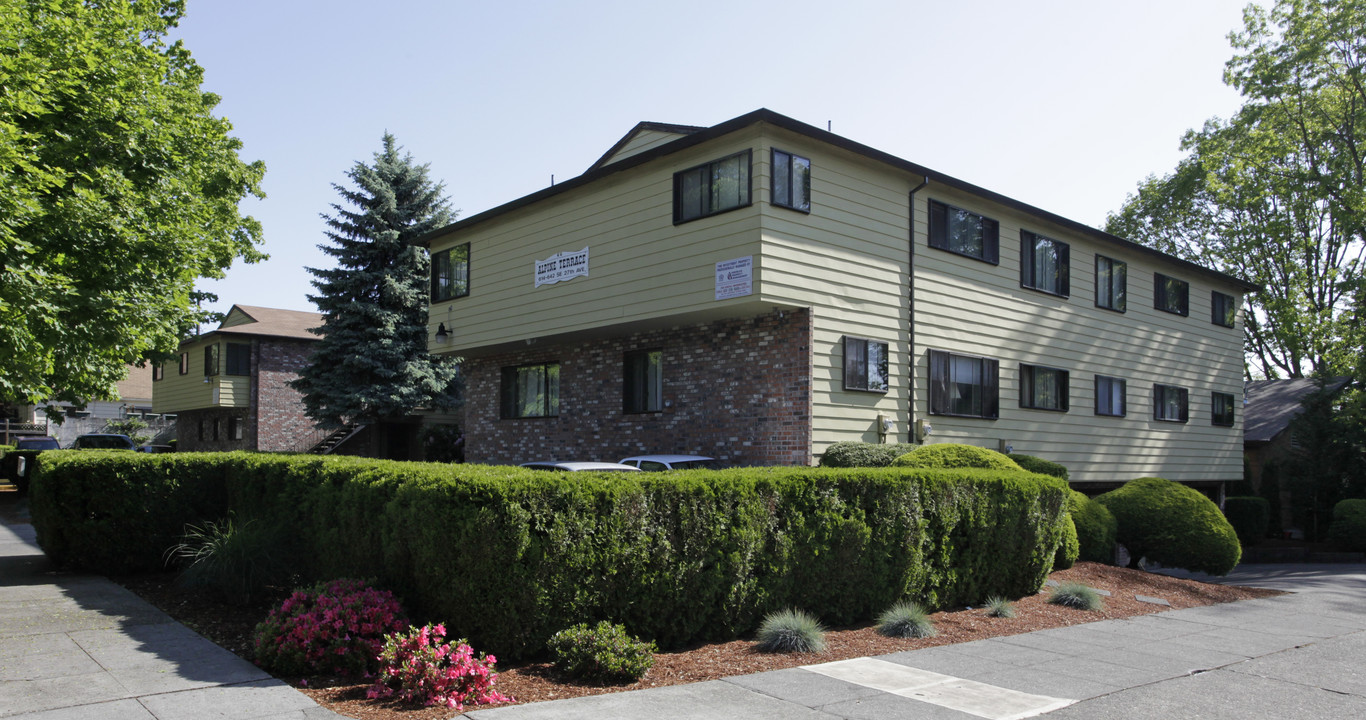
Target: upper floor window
{"points": [[644, 382], [865, 365], [211, 360], [964, 385], [1110, 396], [1223, 309], [184, 363], [1171, 295], [965, 233], [1170, 403], [531, 391], [791, 181], [712, 188], [1221, 409], [238, 359], [1044, 264], [1043, 388], [1112, 283], [451, 273]]}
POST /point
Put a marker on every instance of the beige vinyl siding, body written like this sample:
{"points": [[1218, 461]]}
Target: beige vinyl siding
{"points": [[236, 317], [641, 266], [970, 307], [177, 393], [641, 142]]}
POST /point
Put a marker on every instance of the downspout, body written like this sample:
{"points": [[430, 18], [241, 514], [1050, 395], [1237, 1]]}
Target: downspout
{"points": [[910, 316]]}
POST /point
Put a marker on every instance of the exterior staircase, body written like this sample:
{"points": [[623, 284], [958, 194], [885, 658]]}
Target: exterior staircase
{"points": [[329, 442]]}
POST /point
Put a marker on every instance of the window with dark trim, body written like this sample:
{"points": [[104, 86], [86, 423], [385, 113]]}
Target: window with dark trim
{"points": [[530, 391], [1112, 283], [211, 361], [865, 364], [1110, 396], [1170, 403], [1171, 295], [791, 181], [964, 385], [712, 188], [238, 359], [1221, 409], [1044, 264], [202, 432], [184, 363], [644, 382], [451, 273], [1043, 388], [234, 428], [965, 233], [1223, 309], [158, 371], [215, 429]]}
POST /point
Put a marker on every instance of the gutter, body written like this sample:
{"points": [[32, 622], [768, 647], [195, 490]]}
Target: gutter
{"points": [[910, 313]]}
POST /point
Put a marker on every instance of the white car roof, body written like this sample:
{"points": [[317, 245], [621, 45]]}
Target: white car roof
{"points": [[579, 466], [666, 458]]}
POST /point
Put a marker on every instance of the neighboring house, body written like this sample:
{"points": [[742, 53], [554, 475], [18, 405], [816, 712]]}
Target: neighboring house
{"points": [[758, 290], [134, 399], [229, 386], [1269, 413]]}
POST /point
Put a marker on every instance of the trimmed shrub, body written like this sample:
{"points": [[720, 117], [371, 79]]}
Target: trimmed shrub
{"points": [[677, 557], [1249, 517], [847, 454], [954, 455], [1068, 549], [418, 666], [906, 620], [334, 628], [1349, 524], [602, 652], [1076, 595], [1096, 528], [999, 607], [791, 631], [1039, 465], [1172, 524]]}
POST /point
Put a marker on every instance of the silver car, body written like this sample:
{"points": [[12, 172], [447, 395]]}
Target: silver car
{"points": [[579, 466], [670, 462]]}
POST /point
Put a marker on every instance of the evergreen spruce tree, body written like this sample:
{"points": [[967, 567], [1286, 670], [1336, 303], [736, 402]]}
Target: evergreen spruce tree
{"points": [[372, 363]]}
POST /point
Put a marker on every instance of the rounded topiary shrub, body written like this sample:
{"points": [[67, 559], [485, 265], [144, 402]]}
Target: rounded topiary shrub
{"points": [[1172, 524], [601, 652], [1249, 517], [1096, 528], [1349, 524], [953, 455], [1039, 465], [1068, 549], [846, 454]]}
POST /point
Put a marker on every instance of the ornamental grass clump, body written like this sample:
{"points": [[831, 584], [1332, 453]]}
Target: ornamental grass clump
{"points": [[333, 628], [604, 652], [418, 666], [789, 631], [235, 560], [906, 619], [999, 607], [1076, 595]]}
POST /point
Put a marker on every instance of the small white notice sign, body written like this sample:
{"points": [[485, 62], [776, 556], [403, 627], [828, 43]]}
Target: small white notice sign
{"points": [[735, 278], [562, 266]]}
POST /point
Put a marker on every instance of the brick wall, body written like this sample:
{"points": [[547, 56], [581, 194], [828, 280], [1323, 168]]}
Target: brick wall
{"points": [[280, 423], [196, 430], [736, 390]]}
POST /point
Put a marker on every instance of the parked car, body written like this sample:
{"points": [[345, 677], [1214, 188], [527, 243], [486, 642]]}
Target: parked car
{"points": [[103, 441], [156, 448], [580, 466], [37, 443], [670, 462]]}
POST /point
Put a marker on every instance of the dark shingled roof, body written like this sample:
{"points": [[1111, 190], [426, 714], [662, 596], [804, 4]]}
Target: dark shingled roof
{"points": [[1272, 404], [274, 322]]}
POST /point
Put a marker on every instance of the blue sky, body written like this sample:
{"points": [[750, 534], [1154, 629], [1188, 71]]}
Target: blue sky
{"points": [[1062, 104]]}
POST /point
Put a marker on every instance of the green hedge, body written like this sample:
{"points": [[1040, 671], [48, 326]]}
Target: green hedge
{"points": [[1175, 525], [1096, 528], [848, 454], [1039, 465], [1249, 517], [1349, 524], [1068, 549], [955, 455], [507, 557]]}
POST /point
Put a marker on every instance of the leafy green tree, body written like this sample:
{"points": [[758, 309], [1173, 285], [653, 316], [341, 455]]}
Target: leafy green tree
{"points": [[372, 362], [1275, 193], [119, 188]]}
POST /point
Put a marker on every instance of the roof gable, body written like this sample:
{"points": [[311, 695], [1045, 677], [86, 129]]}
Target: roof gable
{"points": [[270, 322], [644, 136]]}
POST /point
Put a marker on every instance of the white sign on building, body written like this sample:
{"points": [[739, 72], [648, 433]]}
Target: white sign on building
{"points": [[735, 278], [562, 266]]}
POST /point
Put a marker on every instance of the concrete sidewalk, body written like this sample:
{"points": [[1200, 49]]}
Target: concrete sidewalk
{"points": [[1295, 656], [76, 646]]}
